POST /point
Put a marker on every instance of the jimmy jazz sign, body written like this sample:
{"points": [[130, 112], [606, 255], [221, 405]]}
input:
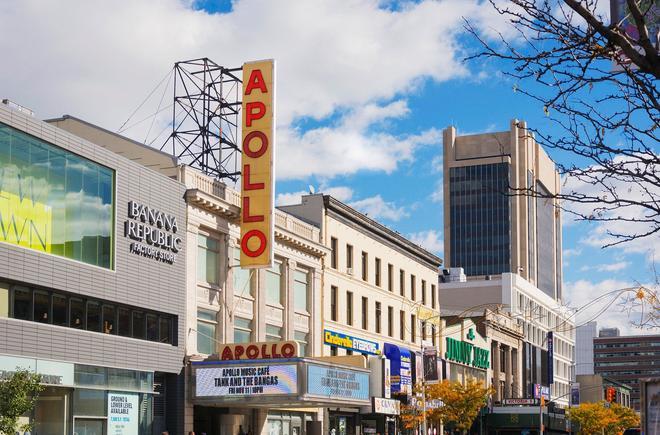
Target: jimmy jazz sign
{"points": [[154, 233], [467, 353]]}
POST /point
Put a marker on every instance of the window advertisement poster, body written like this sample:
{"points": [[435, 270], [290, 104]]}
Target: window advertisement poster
{"points": [[123, 410], [337, 383], [258, 380]]}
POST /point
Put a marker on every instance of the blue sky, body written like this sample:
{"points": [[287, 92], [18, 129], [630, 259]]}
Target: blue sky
{"points": [[364, 91]]}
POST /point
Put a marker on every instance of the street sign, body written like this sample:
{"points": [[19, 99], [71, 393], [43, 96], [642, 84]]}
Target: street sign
{"points": [[519, 401]]}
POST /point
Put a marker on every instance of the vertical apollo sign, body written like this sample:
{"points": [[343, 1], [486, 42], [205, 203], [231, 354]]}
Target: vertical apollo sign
{"points": [[258, 164]]}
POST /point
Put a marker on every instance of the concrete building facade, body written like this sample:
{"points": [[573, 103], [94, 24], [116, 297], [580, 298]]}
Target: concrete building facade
{"points": [[584, 348], [488, 231], [627, 359], [93, 256], [533, 311], [227, 304], [379, 294]]}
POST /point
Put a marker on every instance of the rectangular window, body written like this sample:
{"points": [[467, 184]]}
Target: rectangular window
{"points": [[423, 292], [433, 335], [51, 189], [59, 310], [241, 277], [377, 271], [390, 321], [124, 322], [365, 313], [165, 329], [242, 330], [423, 328], [433, 296], [139, 326], [413, 288], [413, 328], [402, 282], [302, 339], [93, 316], [349, 258], [349, 308], [274, 294], [390, 277], [333, 303], [273, 333], [22, 304], [333, 351], [76, 313], [208, 258], [365, 266], [402, 325], [301, 290], [109, 314], [206, 331], [152, 327], [333, 252], [41, 307], [378, 316]]}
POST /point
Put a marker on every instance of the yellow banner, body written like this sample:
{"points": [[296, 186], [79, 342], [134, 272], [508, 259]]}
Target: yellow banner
{"points": [[258, 176], [26, 223]]}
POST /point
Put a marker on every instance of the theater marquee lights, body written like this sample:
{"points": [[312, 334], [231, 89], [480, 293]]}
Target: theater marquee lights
{"points": [[258, 178]]}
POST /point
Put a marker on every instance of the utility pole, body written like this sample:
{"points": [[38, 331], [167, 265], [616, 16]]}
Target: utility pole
{"points": [[542, 403]]}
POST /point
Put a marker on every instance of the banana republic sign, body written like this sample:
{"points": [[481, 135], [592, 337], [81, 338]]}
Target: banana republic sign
{"points": [[154, 233]]}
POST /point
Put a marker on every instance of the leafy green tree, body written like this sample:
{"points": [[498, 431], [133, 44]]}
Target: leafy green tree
{"points": [[18, 395]]}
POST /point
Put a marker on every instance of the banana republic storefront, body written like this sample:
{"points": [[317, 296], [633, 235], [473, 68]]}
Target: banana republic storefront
{"points": [[278, 395]]}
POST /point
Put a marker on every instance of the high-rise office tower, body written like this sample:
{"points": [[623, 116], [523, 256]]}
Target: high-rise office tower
{"points": [[491, 227]]}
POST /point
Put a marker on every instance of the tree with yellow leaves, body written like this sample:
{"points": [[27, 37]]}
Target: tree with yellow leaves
{"points": [[601, 417], [626, 418], [460, 404]]}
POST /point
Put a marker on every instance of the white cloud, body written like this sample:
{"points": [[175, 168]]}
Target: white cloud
{"points": [[437, 195], [600, 233], [377, 208], [568, 253], [349, 147], [342, 193], [102, 58], [610, 267], [289, 198], [430, 240], [586, 295]]}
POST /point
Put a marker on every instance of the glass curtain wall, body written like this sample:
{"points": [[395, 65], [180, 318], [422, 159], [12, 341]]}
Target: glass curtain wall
{"points": [[55, 201], [480, 222]]}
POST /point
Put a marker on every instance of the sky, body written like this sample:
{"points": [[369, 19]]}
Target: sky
{"points": [[364, 90]]}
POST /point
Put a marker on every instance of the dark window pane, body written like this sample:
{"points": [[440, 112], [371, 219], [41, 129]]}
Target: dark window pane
{"points": [[152, 327], [124, 322], [93, 316], [22, 304], [139, 328], [76, 313], [59, 310], [165, 330], [109, 320], [41, 307]]}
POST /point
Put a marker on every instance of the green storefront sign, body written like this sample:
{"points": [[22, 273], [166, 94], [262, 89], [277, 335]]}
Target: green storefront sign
{"points": [[467, 353]]}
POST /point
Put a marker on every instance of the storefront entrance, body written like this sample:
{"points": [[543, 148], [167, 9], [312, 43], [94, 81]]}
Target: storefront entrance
{"points": [[89, 426], [342, 424]]}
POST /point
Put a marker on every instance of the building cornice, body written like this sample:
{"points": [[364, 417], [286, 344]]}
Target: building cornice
{"points": [[368, 224]]}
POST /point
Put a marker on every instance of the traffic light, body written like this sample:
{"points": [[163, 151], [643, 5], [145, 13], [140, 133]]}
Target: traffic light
{"points": [[610, 394]]}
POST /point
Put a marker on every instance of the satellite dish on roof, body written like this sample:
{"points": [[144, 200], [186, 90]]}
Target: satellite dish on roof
{"points": [[312, 191]]}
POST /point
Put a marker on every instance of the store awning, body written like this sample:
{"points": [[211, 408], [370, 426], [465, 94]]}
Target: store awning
{"points": [[278, 383]]}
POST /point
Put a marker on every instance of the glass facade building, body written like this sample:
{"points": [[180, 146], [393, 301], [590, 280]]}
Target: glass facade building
{"points": [[54, 201], [480, 224]]}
